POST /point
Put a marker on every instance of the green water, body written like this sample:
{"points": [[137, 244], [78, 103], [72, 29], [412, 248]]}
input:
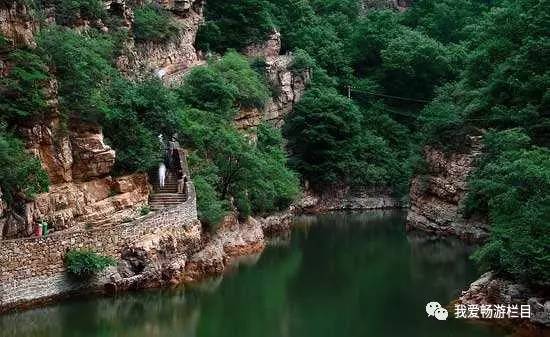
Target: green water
{"points": [[339, 275]]}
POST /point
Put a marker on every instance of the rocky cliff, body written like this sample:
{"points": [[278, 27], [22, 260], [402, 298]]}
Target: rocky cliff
{"points": [[490, 289], [287, 85], [17, 24], [436, 197], [82, 191], [76, 158], [169, 59]]}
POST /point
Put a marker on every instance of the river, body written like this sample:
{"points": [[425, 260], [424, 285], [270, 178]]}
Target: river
{"points": [[337, 275]]}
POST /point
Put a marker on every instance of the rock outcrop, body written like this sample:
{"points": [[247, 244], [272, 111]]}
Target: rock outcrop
{"points": [[17, 24], [436, 198], [170, 59], [343, 198], [231, 240], [288, 86], [82, 193], [491, 289]]}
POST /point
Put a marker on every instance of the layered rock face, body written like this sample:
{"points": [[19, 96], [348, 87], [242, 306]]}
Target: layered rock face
{"points": [[82, 193], [170, 59], [288, 86], [490, 289], [232, 239], [436, 198], [17, 24], [344, 198]]}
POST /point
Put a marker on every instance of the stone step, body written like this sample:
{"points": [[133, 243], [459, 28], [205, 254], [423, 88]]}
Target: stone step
{"points": [[158, 207]]}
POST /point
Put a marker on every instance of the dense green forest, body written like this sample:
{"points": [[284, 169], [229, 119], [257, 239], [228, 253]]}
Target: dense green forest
{"points": [[432, 75]]}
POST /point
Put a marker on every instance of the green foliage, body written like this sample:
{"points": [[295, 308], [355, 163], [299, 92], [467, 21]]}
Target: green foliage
{"points": [[19, 171], [136, 145], [153, 24], [67, 12], [82, 63], [512, 187], [234, 24], [505, 80], [413, 58], [22, 90], [329, 145], [446, 21], [224, 85], [302, 61], [84, 264], [144, 210]]}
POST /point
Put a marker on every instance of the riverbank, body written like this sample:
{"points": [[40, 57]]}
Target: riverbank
{"points": [[158, 250], [491, 289], [339, 274]]}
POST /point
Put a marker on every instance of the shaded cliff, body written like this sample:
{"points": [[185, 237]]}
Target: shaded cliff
{"points": [[436, 197]]}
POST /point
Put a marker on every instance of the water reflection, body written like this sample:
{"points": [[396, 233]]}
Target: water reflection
{"points": [[342, 274]]}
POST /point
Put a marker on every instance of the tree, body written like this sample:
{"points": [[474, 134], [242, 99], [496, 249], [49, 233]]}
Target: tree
{"points": [[82, 63], [234, 24], [22, 91], [319, 131], [512, 186], [19, 171], [153, 24]]}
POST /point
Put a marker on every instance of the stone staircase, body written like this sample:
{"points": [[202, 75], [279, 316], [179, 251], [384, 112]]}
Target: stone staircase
{"points": [[166, 196]]}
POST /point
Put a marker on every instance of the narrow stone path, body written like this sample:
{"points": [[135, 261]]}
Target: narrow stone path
{"points": [[167, 196]]}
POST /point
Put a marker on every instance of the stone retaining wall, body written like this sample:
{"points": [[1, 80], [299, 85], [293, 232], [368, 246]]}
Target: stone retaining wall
{"points": [[33, 268]]}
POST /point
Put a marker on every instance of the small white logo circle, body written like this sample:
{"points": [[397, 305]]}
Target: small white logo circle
{"points": [[435, 309]]}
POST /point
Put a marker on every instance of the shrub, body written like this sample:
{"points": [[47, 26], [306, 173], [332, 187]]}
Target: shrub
{"points": [[84, 264], [302, 61], [83, 68], [154, 24], [67, 11], [224, 85], [22, 90], [513, 189], [19, 171], [144, 210]]}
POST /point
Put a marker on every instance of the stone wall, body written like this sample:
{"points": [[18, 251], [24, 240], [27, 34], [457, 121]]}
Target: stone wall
{"points": [[32, 269], [436, 197]]}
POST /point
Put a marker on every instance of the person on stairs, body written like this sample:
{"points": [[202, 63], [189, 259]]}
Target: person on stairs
{"points": [[162, 167], [162, 174]]}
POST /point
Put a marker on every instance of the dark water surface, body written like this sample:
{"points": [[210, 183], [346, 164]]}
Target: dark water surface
{"points": [[340, 275]]}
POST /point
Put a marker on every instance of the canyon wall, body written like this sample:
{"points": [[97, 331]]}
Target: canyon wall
{"points": [[436, 198], [75, 157]]}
